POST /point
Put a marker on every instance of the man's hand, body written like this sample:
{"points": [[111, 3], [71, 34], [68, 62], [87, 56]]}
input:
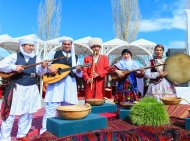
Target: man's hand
{"points": [[52, 70], [79, 68], [19, 68], [44, 64], [95, 75], [90, 80]]}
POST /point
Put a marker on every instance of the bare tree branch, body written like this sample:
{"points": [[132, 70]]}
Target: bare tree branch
{"points": [[126, 16], [49, 19]]}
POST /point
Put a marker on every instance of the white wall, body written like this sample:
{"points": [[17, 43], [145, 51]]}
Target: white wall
{"points": [[183, 92]]}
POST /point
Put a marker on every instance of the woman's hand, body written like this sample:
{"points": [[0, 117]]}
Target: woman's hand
{"points": [[119, 73], [141, 71], [162, 73], [176, 83]]}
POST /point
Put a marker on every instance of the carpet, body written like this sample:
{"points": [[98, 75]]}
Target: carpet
{"points": [[117, 130], [178, 111]]}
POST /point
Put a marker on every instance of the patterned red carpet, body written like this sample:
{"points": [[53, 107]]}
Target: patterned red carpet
{"points": [[36, 124], [117, 130]]}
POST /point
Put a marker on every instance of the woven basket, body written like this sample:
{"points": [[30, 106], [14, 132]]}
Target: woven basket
{"points": [[171, 100], [95, 101], [74, 111]]}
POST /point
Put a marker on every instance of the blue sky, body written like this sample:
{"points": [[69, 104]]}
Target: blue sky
{"points": [[163, 21]]}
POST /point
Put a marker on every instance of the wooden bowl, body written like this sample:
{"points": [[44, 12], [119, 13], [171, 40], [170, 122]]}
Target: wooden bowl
{"points": [[171, 100], [74, 111], [95, 101], [126, 104]]}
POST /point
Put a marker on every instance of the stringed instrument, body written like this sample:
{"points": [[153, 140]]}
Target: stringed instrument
{"points": [[5, 75], [114, 76], [62, 71]]}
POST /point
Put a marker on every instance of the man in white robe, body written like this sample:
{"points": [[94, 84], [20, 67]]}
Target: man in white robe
{"points": [[25, 93], [64, 91]]}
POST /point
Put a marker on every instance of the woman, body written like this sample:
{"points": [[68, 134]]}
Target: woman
{"points": [[127, 86], [159, 86]]}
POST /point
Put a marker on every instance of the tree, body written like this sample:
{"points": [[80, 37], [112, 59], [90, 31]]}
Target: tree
{"points": [[187, 4], [49, 18], [126, 15]]}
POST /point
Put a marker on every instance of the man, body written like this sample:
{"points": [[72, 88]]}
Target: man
{"points": [[94, 76], [22, 94], [64, 91]]}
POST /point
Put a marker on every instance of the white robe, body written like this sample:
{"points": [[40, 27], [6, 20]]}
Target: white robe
{"points": [[26, 99], [65, 90]]}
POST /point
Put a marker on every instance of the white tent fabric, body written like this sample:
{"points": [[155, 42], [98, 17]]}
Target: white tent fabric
{"points": [[114, 46], [12, 44], [148, 45], [143, 42], [83, 41], [80, 45], [5, 37], [115, 42]]}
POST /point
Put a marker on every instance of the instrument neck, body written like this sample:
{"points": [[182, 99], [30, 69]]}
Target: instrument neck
{"points": [[32, 65], [145, 68]]}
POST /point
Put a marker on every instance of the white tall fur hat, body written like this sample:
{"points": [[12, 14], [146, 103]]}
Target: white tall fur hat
{"points": [[95, 41]]}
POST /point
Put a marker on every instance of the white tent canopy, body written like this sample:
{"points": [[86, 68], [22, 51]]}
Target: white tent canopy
{"points": [[80, 45], [5, 37], [114, 46], [12, 44], [136, 50], [83, 41], [138, 47], [115, 42], [148, 45]]}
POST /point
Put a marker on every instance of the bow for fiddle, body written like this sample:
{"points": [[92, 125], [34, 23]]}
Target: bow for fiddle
{"points": [[95, 53]]}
